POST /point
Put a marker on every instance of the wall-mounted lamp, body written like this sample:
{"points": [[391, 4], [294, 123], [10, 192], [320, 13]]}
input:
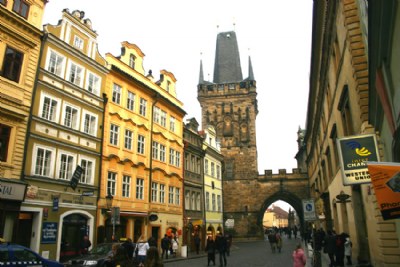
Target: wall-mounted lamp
{"points": [[342, 197], [109, 201]]}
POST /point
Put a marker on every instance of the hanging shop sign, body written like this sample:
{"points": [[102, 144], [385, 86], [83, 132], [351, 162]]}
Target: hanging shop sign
{"points": [[309, 210], [385, 177], [354, 152], [76, 177]]}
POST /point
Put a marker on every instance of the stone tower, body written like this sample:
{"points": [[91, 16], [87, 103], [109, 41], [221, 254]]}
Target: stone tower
{"points": [[229, 103]]}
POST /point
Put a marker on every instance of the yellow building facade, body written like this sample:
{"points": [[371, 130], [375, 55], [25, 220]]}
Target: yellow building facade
{"points": [[142, 169], [20, 34], [63, 159], [213, 197]]}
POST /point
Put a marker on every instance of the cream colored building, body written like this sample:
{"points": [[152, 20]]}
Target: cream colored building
{"points": [[142, 166], [213, 193], [63, 159], [20, 39]]}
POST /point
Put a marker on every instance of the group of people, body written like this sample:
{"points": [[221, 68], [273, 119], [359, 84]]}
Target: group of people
{"points": [[220, 244], [169, 245], [144, 254], [337, 246], [275, 240]]}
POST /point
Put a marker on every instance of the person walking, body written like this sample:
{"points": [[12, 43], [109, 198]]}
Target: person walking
{"points": [[128, 245], [229, 244], [339, 252], [299, 258], [175, 245], [142, 247], [153, 258], [330, 247], [210, 249], [86, 244], [165, 244], [221, 244], [197, 242], [272, 241], [347, 250], [278, 242], [119, 257]]}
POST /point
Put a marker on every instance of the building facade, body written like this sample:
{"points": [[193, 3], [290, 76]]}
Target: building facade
{"points": [[194, 212], [341, 105], [142, 168], [63, 159], [213, 183], [20, 39]]}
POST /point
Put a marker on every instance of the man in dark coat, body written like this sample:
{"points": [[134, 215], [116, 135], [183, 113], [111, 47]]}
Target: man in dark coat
{"points": [[165, 245], [221, 245]]}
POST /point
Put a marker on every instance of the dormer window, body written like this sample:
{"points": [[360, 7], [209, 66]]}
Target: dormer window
{"points": [[21, 7], [78, 42], [231, 86], [132, 61], [168, 85]]}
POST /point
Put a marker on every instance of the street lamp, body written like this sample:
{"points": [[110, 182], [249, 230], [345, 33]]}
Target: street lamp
{"points": [[109, 200]]}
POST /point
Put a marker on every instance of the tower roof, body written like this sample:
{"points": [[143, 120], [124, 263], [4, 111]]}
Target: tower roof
{"points": [[227, 66]]}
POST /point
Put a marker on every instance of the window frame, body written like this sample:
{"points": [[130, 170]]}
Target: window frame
{"points": [[52, 159], [93, 83], [64, 116], [126, 186], [21, 6], [5, 139], [130, 100], [10, 63], [141, 144], [114, 134], [139, 189], [112, 178], [59, 63], [88, 175], [143, 107], [128, 139], [116, 94], [91, 130], [75, 76], [56, 111], [59, 166]]}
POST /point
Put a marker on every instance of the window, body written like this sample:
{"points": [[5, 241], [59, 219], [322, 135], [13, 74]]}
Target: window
{"points": [[78, 42], [130, 102], [139, 188], [212, 169], [214, 207], [93, 83], [132, 61], [168, 85], [114, 133], [143, 107], [12, 64], [21, 7], [116, 94], [156, 114], [219, 206], [66, 166], [177, 196], [128, 139], [207, 201], [43, 161], [192, 201], [198, 201], [88, 171], [218, 172], [171, 156], [111, 183], [75, 74], [187, 200], [126, 186], [162, 153], [155, 150], [172, 124], [154, 189], [206, 166], [56, 63], [70, 116], [345, 112], [49, 108], [5, 133], [162, 193], [163, 118], [177, 159], [171, 195], [89, 123], [140, 144]]}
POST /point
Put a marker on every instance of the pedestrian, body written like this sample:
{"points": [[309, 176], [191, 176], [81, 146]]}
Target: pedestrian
{"points": [[221, 244], [152, 242], [210, 249], [119, 257], [175, 245], [229, 244], [128, 245], [197, 242], [85, 245], [339, 252], [153, 258], [272, 240], [330, 247], [142, 247], [278, 242], [299, 258], [165, 245], [347, 250]]}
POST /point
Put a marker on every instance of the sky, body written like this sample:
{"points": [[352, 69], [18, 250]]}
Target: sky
{"points": [[175, 35]]}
